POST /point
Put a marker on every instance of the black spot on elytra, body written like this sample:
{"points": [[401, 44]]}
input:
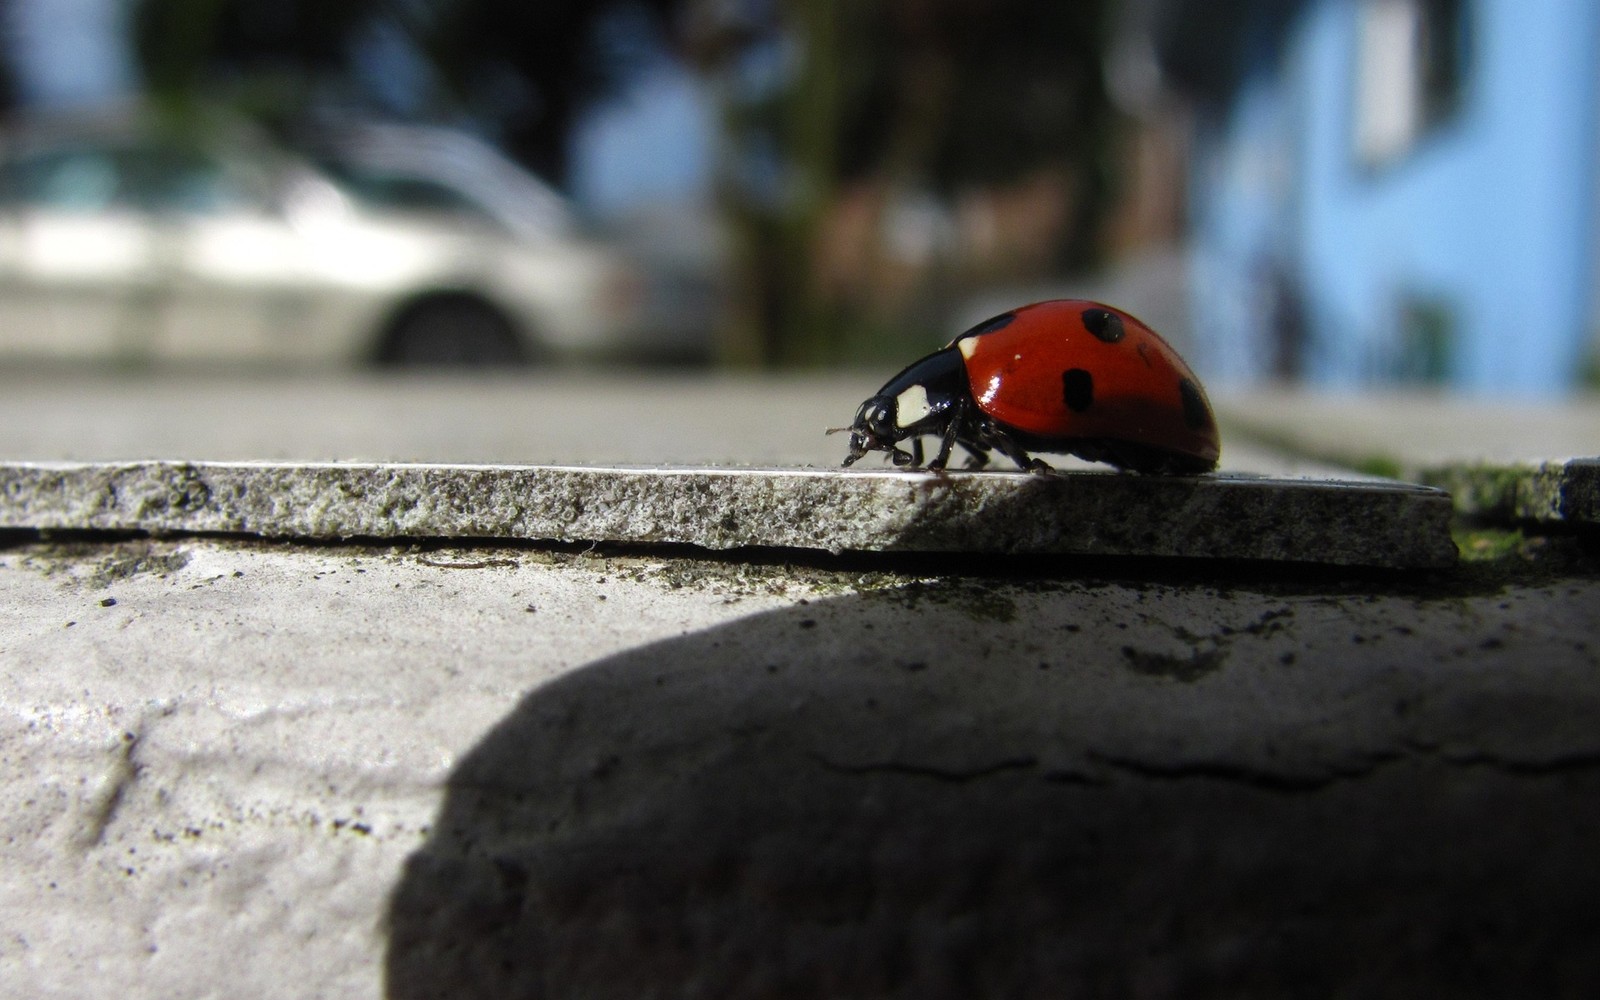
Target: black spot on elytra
{"points": [[1195, 412], [1104, 324], [990, 325], [1077, 389]]}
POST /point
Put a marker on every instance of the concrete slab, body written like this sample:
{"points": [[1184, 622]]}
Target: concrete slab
{"points": [[281, 770], [1074, 513]]}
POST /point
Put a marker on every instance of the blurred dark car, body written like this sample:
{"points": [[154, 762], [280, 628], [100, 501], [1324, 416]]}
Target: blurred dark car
{"points": [[122, 238]]}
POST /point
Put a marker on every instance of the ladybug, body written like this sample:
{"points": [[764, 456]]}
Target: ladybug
{"points": [[1065, 376]]}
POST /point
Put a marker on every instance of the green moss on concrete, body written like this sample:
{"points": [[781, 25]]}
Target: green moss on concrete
{"points": [[1481, 490], [976, 599], [1489, 544]]}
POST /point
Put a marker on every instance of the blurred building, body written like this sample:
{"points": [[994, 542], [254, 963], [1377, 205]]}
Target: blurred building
{"points": [[1391, 190]]}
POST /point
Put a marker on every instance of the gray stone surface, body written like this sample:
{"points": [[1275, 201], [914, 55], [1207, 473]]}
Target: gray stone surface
{"points": [[279, 770], [1082, 512]]}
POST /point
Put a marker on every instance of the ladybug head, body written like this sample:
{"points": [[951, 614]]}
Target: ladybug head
{"points": [[875, 429], [922, 399]]}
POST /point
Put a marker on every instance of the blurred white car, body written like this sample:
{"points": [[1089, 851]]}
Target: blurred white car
{"points": [[120, 239], [677, 252]]}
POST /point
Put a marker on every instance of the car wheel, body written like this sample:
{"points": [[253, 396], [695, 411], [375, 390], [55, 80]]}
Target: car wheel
{"points": [[452, 332]]}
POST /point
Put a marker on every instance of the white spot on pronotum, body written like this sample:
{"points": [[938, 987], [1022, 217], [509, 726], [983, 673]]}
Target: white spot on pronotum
{"points": [[969, 347], [911, 406]]}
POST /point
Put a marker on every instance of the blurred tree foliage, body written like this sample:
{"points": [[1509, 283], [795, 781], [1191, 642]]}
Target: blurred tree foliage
{"points": [[533, 67], [526, 70], [854, 129], [8, 79], [881, 103], [269, 57]]}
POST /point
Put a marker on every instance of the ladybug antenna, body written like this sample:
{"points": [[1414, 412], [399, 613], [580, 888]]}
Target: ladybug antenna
{"points": [[838, 430]]}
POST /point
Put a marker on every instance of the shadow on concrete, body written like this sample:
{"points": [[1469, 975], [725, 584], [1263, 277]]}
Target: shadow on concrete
{"points": [[1228, 516], [962, 789]]}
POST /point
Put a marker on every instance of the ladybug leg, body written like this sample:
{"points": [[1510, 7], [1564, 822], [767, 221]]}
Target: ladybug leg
{"points": [[1004, 444], [977, 457], [945, 445], [1028, 463], [916, 451], [959, 429]]}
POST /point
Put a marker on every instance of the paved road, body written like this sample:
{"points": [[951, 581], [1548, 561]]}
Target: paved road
{"points": [[582, 417], [578, 417]]}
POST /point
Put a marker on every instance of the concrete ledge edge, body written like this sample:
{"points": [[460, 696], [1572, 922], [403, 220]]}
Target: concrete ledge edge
{"points": [[1090, 512]]}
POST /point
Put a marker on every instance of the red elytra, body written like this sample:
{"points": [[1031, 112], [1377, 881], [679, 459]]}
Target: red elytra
{"points": [[1068, 375], [1135, 388]]}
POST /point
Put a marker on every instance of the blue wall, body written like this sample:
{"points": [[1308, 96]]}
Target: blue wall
{"points": [[1487, 221], [1242, 213]]}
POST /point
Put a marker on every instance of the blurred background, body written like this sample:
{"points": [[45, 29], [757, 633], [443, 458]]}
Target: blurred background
{"points": [[1342, 193]]}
